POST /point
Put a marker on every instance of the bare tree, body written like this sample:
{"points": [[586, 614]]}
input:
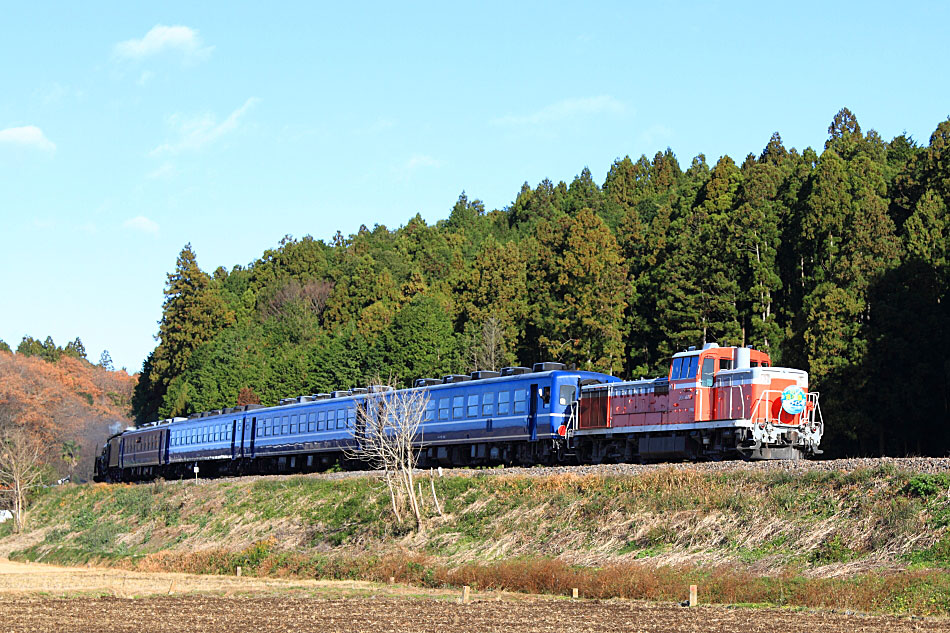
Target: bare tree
{"points": [[388, 435], [21, 467], [488, 348]]}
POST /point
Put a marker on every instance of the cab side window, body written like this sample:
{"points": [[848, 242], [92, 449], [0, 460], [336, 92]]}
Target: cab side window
{"points": [[709, 368]]}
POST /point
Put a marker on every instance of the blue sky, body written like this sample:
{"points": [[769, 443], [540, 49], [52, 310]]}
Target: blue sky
{"points": [[127, 130]]}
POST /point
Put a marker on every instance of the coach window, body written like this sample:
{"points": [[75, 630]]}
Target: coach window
{"points": [[351, 418], [443, 408], [504, 404], [488, 402], [567, 395], [520, 398], [293, 424], [430, 410], [312, 424], [458, 407], [340, 418], [331, 419], [285, 427], [321, 420], [546, 395], [473, 405], [725, 363]]}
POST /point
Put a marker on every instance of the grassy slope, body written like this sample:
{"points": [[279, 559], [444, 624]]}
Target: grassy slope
{"points": [[868, 540]]}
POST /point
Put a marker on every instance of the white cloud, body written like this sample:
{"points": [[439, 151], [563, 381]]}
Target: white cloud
{"points": [[414, 163], [420, 160], [56, 93], [28, 136], [197, 132], [165, 170], [163, 38], [142, 224], [377, 126], [655, 134], [562, 110]]}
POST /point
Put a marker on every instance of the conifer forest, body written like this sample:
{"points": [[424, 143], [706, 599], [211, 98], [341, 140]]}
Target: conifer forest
{"points": [[833, 260]]}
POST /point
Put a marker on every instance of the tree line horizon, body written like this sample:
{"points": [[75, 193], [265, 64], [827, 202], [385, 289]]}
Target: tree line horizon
{"points": [[833, 262]]}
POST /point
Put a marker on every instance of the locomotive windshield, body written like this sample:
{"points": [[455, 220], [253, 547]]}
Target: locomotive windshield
{"points": [[684, 367]]}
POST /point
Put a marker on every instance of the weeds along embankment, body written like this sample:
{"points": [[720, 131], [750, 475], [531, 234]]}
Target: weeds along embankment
{"points": [[869, 539]]}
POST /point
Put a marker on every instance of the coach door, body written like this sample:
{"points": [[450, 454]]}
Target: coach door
{"points": [[533, 396], [237, 431]]}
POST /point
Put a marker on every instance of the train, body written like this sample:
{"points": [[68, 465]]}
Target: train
{"points": [[714, 403]]}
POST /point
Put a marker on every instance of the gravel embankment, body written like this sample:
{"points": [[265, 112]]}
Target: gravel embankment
{"points": [[910, 464]]}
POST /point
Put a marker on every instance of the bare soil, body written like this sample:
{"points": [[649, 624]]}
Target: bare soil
{"points": [[47, 599], [265, 615]]}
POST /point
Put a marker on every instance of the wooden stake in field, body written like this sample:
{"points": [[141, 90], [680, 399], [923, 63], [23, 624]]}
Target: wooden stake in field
{"points": [[574, 593], [238, 571], [435, 497], [465, 594], [693, 599]]}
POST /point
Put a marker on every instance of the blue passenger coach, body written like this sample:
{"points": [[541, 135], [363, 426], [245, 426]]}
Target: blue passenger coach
{"points": [[478, 419]]}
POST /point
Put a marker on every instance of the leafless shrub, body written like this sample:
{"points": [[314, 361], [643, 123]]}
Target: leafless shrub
{"points": [[21, 467], [387, 435], [313, 295]]}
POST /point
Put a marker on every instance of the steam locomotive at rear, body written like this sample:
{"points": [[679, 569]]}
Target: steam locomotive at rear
{"points": [[717, 402]]}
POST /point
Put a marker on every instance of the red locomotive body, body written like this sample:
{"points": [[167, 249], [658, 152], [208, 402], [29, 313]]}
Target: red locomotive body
{"points": [[714, 402]]}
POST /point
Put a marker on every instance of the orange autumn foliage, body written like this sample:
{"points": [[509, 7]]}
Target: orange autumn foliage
{"points": [[70, 399]]}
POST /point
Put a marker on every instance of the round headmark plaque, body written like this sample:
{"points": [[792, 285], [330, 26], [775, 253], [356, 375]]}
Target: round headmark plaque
{"points": [[793, 400]]}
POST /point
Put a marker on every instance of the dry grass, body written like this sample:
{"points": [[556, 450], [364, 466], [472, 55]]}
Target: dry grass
{"points": [[924, 592]]}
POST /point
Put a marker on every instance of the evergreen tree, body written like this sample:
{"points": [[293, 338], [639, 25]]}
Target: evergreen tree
{"points": [[420, 342], [75, 349], [577, 280], [758, 221], [853, 244], [105, 361], [4, 347], [494, 286], [192, 314]]}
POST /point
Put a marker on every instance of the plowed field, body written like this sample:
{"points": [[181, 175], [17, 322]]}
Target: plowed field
{"points": [[197, 614], [31, 601]]}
